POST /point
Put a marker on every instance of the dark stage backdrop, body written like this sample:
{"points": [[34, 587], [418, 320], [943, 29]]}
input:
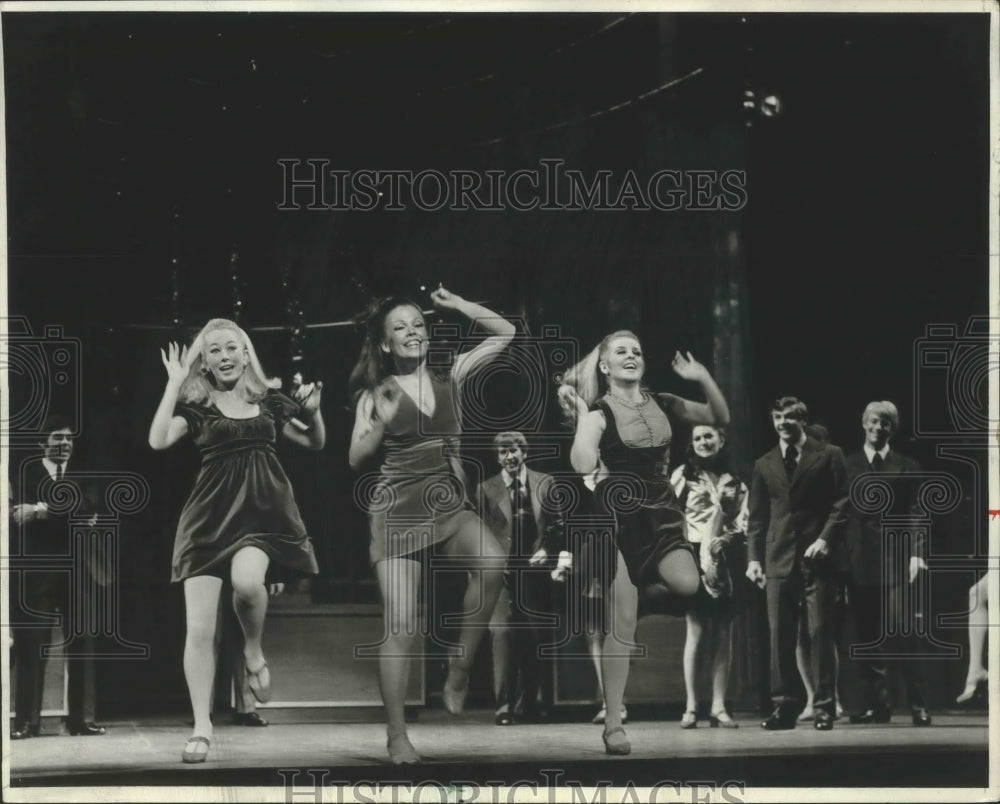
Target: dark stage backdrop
{"points": [[863, 225]]}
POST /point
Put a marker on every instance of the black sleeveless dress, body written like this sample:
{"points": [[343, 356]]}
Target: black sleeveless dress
{"points": [[648, 521]]}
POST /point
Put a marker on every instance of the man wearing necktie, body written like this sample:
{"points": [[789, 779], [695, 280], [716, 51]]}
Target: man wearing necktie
{"points": [[798, 496], [879, 579], [41, 529], [518, 509]]}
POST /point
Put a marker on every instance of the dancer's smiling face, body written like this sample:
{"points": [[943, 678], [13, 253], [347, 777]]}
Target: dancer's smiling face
{"points": [[623, 360], [225, 356], [405, 333]]}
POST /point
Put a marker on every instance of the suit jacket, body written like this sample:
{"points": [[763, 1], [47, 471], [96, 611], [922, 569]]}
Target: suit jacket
{"points": [[494, 501], [787, 516], [51, 537], [863, 535]]}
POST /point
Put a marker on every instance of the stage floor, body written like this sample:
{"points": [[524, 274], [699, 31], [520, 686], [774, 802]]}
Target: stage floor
{"points": [[470, 748]]}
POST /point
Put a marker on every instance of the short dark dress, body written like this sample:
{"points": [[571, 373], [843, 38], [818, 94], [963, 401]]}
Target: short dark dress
{"points": [[418, 498], [242, 496], [637, 495]]}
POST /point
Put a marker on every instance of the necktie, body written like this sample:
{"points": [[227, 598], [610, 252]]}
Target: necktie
{"points": [[790, 455], [876, 462], [60, 470]]}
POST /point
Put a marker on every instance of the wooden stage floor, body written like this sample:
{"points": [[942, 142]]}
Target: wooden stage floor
{"points": [[951, 753]]}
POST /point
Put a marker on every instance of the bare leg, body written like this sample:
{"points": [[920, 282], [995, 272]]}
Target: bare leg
{"points": [[802, 662], [399, 582], [679, 572], [249, 567], [201, 605], [485, 559], [623, 602], [722, 644], [978, 621], [691, 642]]}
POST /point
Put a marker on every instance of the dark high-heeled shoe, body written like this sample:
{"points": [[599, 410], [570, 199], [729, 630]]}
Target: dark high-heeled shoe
{"points": [[722, 718], [615, 742]]}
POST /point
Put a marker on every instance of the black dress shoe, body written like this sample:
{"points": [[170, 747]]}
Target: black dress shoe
{"points": [[880, 714], [779, 720], [920, 716], [23, 731], [822, 720], [504, 719], [248, 719], [86, 729]]}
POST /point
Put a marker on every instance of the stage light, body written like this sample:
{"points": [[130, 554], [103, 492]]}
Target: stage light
{"points": [[771, 106]]}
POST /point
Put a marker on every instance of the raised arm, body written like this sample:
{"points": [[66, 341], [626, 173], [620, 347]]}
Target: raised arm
{"points": [[714, 410], [315, 437], [167, 429], [500, 330]]}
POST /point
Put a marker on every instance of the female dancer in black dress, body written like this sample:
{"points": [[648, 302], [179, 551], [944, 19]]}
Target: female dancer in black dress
{"points": [[621, 448], [241, 514], [410, 412]]}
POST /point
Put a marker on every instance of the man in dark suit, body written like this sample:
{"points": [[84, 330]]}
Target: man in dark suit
{"points": [[41, 527], [798, 496], [517, 507], [879, 578]]}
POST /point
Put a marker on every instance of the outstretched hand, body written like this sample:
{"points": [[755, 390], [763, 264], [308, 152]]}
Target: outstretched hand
{"points": [[688, 368], [309, 396], [445, 299], [572, 401], [177, 360]]}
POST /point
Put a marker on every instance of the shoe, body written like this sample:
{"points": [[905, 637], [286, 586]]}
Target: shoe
{"points": [[600, 717], [259, 681], [823, 720], [779, 720], [401, 751], [192, 750], [920, 716], [839, 713], [722, 718], [880, 714], [453, 695], [86, 729], [974, 688], [504, 719], [24, 731], [689, 720], [806, 715], [248, 719], [615, 745]]}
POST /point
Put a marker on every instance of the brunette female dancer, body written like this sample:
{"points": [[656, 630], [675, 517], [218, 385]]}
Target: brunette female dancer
{"points": [[715, 505], [621, 448], [241, 514], [417, 500]]}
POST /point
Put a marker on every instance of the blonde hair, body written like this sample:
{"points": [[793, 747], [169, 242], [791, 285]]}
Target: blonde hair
{"points": [[585, 380], [197, 387], [882, 408]]}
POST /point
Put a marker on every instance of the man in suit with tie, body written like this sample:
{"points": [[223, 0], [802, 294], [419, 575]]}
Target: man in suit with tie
{"points": [[41, 527], [798, 497], [517, 507], [879, 578]]}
